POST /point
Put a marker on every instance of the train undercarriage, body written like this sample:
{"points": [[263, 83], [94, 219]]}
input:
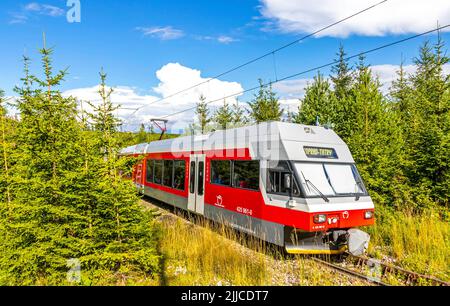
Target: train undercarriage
{"points": [[332, 242]]}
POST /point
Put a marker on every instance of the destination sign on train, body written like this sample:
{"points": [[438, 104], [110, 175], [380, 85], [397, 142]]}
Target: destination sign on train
{"points": [[315, 152]]}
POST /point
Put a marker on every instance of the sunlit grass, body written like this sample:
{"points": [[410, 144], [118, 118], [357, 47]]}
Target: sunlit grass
{"points": [[420, 243], [201, 256], [205, 253]]}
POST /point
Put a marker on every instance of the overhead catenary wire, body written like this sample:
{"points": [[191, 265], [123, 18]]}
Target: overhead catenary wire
{"points": [[272, 52], [314, 69]]}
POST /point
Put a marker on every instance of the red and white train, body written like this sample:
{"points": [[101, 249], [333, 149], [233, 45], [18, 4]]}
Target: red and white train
{"points": [[292, 185]]}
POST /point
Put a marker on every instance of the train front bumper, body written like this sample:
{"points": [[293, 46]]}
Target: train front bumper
{"points": [[334, 242]]}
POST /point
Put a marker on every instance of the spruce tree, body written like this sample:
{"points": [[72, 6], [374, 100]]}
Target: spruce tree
{"points": [[202, 113], [46, 228], [375, 140], [141, 136], [341, 77], [265, 105], [121, 229], [224, 116], [6, 137], [429, 137], [319, 103], [239, 118], [68, 200]]}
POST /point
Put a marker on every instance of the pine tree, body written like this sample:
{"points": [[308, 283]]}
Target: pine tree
{"points": [[5, 188], [224, 116], [68, 199], [265, 105], [46, 227], [202, 113], [375, 140], [239, 118], [429, 136], [103, 118], [319, 102], [341, 77], [142, 135], [121, 229]]}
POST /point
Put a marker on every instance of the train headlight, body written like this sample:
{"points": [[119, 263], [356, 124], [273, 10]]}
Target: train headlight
{"points": [[368, 214], [320, 218]]}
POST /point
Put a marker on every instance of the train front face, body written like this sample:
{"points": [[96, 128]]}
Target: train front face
{"points": [[337, 204], [328, 201]]}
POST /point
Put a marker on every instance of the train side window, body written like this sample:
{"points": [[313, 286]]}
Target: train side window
{"points": [[246, 174], [221, 172], [168, 173], [158, 172], [179, 168], [278, 176], [192, 177], [149, 171], [201, 166]]}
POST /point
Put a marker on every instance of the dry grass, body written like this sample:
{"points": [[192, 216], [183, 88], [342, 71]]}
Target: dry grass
{"points": [[420, 243], [207, 254], [202, 256]]}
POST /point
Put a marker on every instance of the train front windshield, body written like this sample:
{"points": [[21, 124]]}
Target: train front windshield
{"points": [[329, 179]]}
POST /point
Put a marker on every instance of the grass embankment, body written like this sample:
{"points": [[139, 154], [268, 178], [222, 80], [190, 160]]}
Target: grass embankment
{"points": [[217, 255], [208, 254], [419, 243]]}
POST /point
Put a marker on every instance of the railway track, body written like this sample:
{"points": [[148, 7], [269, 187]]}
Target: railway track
{"points": [[340, 269], [367, 269], [382, 271]]}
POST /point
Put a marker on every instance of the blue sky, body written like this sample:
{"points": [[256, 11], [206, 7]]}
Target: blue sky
{"points": [[133, 40]]}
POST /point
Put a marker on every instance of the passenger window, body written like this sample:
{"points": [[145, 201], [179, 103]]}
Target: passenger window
{"points": [[168, 173], [179, 168], [149, 171], [246, 174], [192, 178], [158, 171], [221, 172], [201, 166]]}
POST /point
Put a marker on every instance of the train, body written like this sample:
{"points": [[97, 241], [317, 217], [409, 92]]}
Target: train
{"points": [[292, 185]]}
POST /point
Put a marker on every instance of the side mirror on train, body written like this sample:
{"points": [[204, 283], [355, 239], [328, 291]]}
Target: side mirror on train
{"points": [[287, 180]]}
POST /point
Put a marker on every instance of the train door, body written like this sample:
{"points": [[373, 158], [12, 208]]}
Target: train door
{"points": [[196, 200], [138, 178]]}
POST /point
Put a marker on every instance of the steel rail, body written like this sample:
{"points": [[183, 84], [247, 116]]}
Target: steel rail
{"points": [[350, 272], [410, 277]]}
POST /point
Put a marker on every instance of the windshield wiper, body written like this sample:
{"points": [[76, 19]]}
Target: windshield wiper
{"points": [[317, 189]]}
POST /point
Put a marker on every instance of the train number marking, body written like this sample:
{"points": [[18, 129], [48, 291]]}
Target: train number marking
{"points": [[245, 211]]}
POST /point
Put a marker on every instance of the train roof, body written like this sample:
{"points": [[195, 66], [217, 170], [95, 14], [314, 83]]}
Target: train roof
{"points": [[280, 138]]}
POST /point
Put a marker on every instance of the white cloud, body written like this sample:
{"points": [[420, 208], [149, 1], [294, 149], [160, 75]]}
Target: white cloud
{"points": [[386, 74], [173, 77], [291, 89], [18, 18], [392, 17], [163, 33], [223, 39], [34, 8], [44, 9]]}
